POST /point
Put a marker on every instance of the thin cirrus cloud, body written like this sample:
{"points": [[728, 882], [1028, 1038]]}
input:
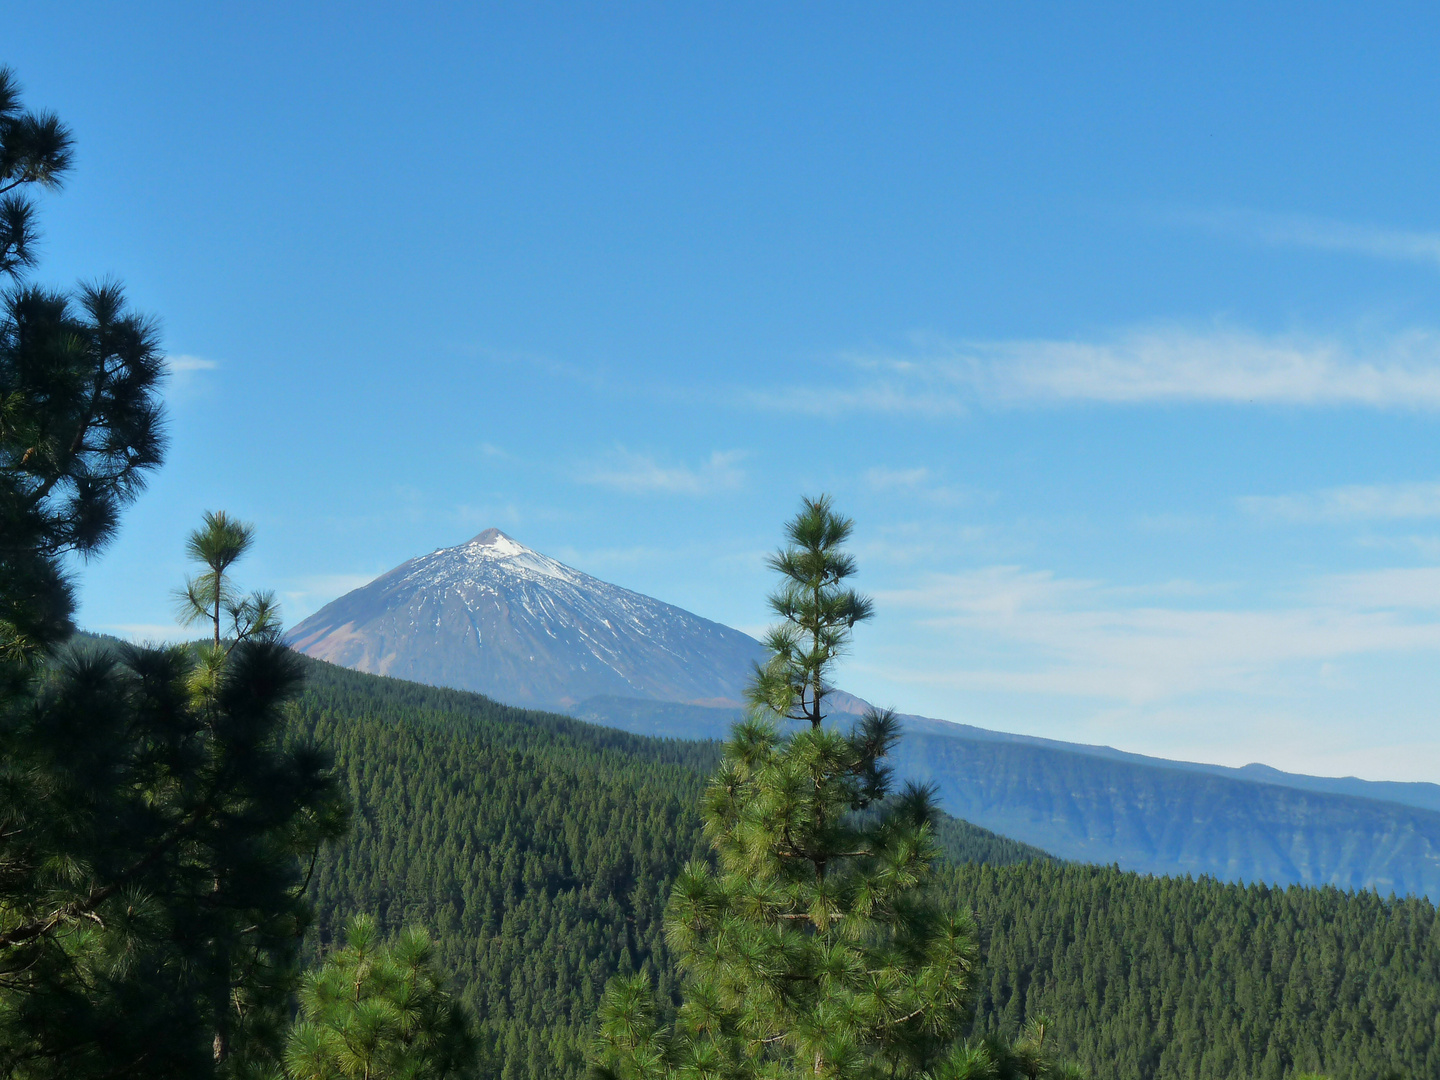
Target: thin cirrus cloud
{"points": [[1161, 365], [184, 363], [1352, 503], [1040, 634], [187, 375], [641, 474], [1319, 234], [1409, 588], [883, 479], [307, 595]]}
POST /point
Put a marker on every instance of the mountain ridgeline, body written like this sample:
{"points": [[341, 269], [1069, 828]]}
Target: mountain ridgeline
{"points": [[540, 850], [496, 617], [1098, 805]]}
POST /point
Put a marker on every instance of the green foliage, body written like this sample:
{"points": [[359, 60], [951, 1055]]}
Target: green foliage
{"points": [[813, 944], [80, 429], [35, 151], [540, 851], [377, 1011], [212, 597], [80, 420], [1203, 980], [816, 613], [151, 903]]}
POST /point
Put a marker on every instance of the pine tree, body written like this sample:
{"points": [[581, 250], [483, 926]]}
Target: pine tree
{"points": [[211, 596], [151, 893], [80, 420], [814, 945], [377, 1011], [35, 151], [151, 890]]}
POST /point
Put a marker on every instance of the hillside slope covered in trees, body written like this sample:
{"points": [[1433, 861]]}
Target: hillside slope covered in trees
{"points": [[539, 850]]}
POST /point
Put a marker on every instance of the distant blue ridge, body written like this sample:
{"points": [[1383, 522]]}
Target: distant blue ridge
{"points": [[1101, 805], [1418, 794]]}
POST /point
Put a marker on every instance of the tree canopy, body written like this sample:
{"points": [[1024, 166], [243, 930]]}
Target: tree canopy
{"points": [[81, 425]]}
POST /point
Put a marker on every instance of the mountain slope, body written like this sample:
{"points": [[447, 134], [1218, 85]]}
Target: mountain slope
{"points": [[1178, 821], [1415, 793], [495, 617]]}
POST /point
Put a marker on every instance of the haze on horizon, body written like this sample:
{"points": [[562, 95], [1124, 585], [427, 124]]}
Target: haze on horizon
{"points": [[1116, 332]]}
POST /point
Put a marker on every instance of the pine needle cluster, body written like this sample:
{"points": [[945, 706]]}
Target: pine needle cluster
{"points": [[211, 597], [379, 1011]]}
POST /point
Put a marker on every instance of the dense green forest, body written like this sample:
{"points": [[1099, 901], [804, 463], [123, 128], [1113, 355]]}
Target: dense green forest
{"points": [[1170, 977], [539, 851]]}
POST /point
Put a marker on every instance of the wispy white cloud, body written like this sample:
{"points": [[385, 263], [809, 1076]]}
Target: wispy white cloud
{"points": [[1232, 366], [1358, 502], [1418, 545], [1411, 588], [1032, 632], [303, 596], [1156, 365], [185, 363], [917, 484], [188, 378], [1321, 234], [328, 585], [637, 473], [877, 387], [882, 479]]}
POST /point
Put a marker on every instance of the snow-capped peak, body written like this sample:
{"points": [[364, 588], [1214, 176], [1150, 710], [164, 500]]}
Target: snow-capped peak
{"points": [[494, 544], [496, 616]]}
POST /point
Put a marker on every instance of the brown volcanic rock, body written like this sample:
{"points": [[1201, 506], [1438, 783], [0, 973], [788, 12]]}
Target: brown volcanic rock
{"points": [[495, 617]]}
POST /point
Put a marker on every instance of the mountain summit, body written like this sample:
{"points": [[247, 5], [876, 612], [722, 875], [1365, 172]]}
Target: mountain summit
{"points": [[496, 617]]}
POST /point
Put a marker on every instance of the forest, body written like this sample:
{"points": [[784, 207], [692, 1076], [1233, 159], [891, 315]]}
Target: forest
{"points": [[539, 851]]}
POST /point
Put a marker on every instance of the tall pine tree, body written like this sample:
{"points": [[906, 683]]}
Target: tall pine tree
{"points": [[814, 944], [151, 889]]}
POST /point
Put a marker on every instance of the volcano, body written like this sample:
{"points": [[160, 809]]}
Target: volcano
{"points": [[496, 617]]}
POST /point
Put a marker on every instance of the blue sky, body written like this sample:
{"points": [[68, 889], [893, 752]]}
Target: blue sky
{"points": [[1115, 330]]}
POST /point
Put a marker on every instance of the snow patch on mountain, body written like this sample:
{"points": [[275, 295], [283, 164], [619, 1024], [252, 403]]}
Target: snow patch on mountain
{"points": [[495, 616]]}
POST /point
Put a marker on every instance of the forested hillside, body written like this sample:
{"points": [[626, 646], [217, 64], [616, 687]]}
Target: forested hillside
{"points": [[540, 849], [1170, 977]]}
